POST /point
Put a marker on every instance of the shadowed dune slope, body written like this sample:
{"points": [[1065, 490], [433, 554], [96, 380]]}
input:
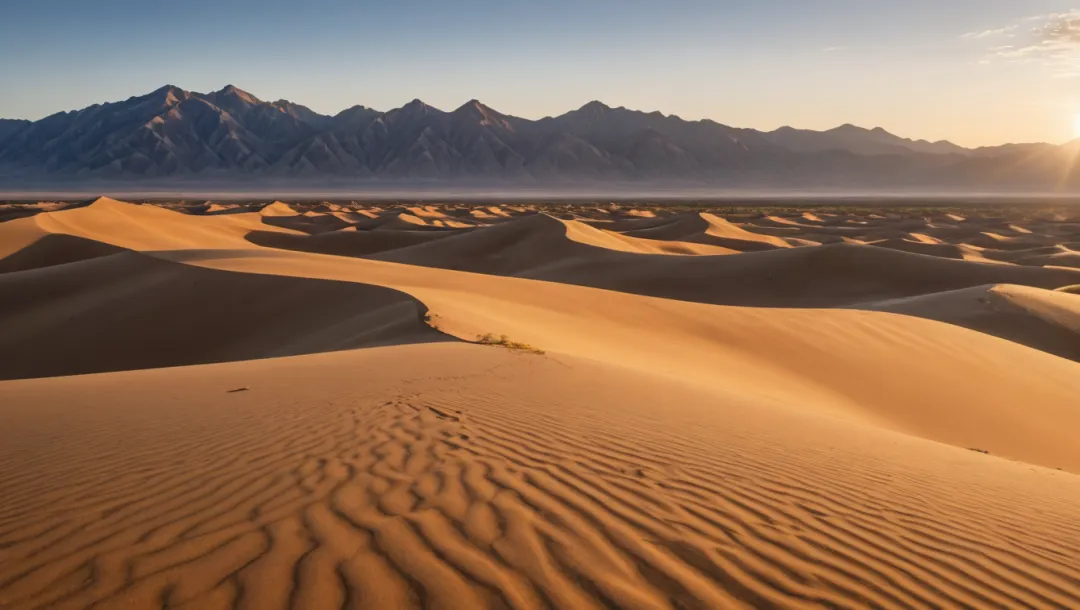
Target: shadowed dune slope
{"points": [[346, 242], [929, 248], [128, 311], [1043, 319], [708, 229], [1063, 259], [530, 245], [24, 245], [55, 249], [546, 248], [460, 477]]}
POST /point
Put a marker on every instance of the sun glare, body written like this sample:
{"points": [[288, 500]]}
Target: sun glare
{"points": [[1076, 126]]}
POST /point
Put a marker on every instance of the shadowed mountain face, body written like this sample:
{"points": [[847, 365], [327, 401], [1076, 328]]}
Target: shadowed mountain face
{"points": [[858, 140], [231, 133], [10, 126]]}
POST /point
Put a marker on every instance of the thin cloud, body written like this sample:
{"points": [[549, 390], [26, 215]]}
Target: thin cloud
{"points": [[833, 49], [1051, 41], [1006, 31]]}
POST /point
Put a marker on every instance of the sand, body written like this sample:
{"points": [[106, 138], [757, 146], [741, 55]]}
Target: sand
{"points": [[844, 426]]}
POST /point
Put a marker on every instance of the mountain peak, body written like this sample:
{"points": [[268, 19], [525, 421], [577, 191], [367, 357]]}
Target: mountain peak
{"points": [[234, 92], [415, 107], [477, 111], [595, 107], [476, 107], [850, 127], [167, 95], [166, 89], [356, 109]]}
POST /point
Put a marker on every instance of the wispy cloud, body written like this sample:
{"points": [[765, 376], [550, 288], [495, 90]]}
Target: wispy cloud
{"points": [[1006, 31], [1052, 41], [833, 49]]}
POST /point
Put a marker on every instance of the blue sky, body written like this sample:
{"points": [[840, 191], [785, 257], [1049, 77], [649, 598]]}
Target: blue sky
{"points": [[974, 71]]}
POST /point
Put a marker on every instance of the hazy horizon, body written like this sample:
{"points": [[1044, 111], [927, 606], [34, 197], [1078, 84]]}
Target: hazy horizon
{"points": [[973, 72]]}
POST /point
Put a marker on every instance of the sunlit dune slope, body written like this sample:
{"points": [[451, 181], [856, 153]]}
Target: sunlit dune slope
{"points": [[1044, 319], [454, 476], [707, 229], [854, 364]]}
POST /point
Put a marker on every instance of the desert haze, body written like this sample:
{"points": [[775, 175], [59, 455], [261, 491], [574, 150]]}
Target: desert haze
{"points": [[173, 138], [221, 404]]}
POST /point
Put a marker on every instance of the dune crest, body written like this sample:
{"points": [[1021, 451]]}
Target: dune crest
{"points": [[709, 229]]}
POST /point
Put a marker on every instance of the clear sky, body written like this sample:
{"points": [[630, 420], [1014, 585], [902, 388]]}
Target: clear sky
{"points": [[974, 71]]}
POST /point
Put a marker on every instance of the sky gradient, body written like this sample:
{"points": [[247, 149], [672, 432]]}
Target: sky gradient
{"points": [[977, 72]]}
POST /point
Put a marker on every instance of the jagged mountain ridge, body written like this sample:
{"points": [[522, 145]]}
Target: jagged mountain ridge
{"points": [[172, 132]]}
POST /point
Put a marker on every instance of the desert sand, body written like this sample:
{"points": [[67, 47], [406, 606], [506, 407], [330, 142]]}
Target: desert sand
{"points": [[291, 405]]}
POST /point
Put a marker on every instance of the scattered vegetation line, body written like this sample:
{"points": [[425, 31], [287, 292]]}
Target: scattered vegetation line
{"points": [[504, 341]]}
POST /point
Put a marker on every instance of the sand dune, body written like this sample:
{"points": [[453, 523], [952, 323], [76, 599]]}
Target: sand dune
{"points": [[346, 242], [1044, 319], [825, 276], [452, 476], [798, 357], [1060, 259], [711, 230], [128, 311], [648, 453], [145, 227], [534, 245], [25, 244], [918, 246], [278, 209]]}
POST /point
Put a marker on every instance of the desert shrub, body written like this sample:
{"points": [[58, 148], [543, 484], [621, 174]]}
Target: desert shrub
{"points": [[504, 341]]}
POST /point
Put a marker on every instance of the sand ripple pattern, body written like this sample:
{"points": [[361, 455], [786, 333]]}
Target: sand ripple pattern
{"points": [[392, 498]]}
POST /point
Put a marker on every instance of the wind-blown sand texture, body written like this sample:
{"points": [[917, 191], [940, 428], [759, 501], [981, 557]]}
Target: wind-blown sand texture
{"points": [[709, 408]]}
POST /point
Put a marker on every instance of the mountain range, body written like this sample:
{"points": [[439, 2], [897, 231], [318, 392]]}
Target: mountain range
{"points": [[174, 134]]}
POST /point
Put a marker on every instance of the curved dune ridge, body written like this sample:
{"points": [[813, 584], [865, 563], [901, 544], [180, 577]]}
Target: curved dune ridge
{"points": [[825, 276], [128, 311], [536, 244], [708, 229], [1044, 319], [617, 450]]}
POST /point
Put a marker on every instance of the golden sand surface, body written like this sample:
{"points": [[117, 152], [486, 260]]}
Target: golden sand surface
{"points": [[341, 405]]}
